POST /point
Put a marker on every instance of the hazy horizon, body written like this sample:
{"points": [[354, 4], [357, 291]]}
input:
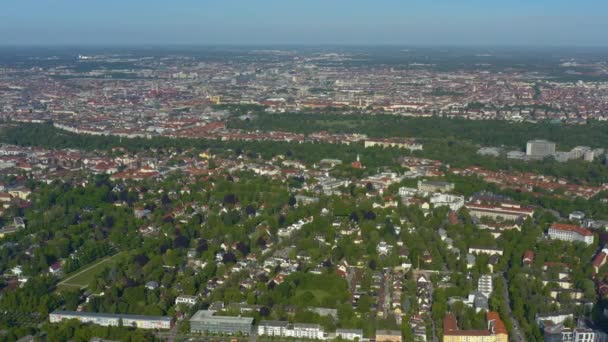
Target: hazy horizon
{"points": [[310, 23]]}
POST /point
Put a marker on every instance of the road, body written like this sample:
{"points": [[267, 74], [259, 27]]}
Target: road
{"points": [[172, 334], [434, 327], [516, 333]]}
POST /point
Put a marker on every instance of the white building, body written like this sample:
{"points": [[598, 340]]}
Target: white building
{"points": [[273, 328], [503, 211], [187, 300], [350, 334], [434, 186], [583, 335], [383, 248], [484, 285], [454, 202], [288, 231], [576, 215], [296, 330], [485, 250], [570, 233], [405, 192], [103, 319], [409, 144], [310, 331]]}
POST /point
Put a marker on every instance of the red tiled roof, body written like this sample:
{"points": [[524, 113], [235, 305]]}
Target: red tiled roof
{"points": [[499, 326], [453, 217], [450, 328], [599, 259], [500, 208], [529, 255], [572, 228]]}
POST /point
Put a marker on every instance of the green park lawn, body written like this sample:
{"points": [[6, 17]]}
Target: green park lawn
{"points": [[83, 277]]}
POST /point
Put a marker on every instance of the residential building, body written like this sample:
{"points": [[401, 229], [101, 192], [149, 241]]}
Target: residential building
{"points": [[350, 334], [405, 192], [187, 300], [104, 319], [557, 331], [485, 250], [496, 331], [497, 327], [8, 230], [432, 186], [484, 285], [528, 258], [504, 211], [296, 330], [307, 331], [409, 144], [599, 260], [576, 215], [273, 328], [454, 202]]}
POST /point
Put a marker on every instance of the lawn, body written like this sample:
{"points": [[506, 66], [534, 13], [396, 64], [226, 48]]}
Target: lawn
{"points": [[320, 295], [83, 277]]}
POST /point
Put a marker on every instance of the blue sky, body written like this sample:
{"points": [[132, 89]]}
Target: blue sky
{"points": [[402, 22]]}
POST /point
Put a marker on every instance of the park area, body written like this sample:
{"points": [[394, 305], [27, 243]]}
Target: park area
{"points": [[83, 277]]}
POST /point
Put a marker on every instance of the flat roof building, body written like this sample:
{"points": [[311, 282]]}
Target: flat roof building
{"points": [[205, 321], [105, 319], [435, 186], [350, 334], [540, 148], [296, 330], [273, 328]]}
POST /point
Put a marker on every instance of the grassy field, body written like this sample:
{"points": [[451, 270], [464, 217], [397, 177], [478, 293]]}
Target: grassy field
{"points": [[320, 295], [83, 277]]}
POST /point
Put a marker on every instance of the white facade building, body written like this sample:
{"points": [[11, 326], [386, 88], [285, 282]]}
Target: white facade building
{"points": [[296, 330], [570, 233], [454, 202], [303, 330], [187, 300], [103, 319], [273, 328], [484, 285], [350, 334]]}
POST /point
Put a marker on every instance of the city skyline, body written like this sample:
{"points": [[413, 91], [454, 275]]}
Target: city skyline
{"points": [[270, 22]]}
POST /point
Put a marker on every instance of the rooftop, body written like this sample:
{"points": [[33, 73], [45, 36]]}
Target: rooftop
{"points": [[572, 228], [100, 315], [209, 315]]}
